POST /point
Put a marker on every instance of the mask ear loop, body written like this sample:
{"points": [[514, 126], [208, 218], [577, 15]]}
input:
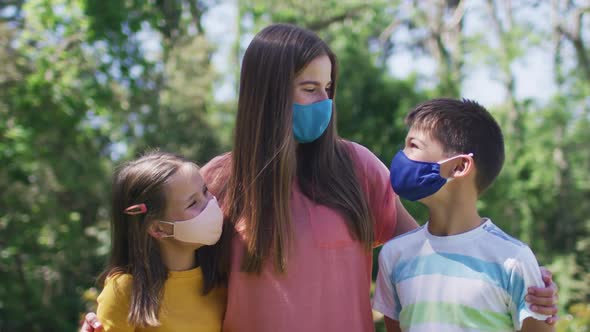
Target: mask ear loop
{"points": [[454, 157], [164, 235]]}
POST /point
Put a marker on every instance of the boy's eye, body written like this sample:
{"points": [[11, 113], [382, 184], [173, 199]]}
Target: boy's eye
{"points": [[192, 204]]}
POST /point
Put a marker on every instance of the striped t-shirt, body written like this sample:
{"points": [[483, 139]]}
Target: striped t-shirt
{"points": [[473, 281]]}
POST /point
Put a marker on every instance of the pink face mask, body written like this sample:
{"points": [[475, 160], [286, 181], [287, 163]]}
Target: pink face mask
{"points": [[205, 228]]}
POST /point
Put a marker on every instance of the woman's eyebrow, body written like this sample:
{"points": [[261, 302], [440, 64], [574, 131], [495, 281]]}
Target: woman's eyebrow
{"points": [[309, 82], [312, 82]]}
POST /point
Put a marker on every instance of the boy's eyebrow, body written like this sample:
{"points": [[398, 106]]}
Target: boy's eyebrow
{"points": [[415, 139]]}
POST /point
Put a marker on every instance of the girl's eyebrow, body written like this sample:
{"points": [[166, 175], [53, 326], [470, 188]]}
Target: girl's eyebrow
{"points": [[191, 197], [204, 190]]}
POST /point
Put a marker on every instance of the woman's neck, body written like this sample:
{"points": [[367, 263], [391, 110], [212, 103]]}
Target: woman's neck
{"points": [[177, 257]]}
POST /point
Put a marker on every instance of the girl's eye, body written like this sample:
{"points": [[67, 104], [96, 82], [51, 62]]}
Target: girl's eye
{"points": [[192, 204], [309, 90]]}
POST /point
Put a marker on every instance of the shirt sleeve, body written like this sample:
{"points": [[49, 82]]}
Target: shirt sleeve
{"points": [[113, 304], [374, 177], [386, 300], [524, 274]]}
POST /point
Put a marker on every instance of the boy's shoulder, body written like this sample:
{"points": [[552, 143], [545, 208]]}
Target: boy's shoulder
{"points": [[404, 242], [500, 237]]}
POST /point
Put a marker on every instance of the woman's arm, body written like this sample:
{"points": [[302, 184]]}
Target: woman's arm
{"points": [[391, 325], [405, 222], [532, 325]]}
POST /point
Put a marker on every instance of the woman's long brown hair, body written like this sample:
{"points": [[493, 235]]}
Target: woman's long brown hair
{"points": [[137, 253], [266, 158]]}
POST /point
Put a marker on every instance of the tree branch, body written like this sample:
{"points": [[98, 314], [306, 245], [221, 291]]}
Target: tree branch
{"points": [[574, 35], [457, 16], [322, 24]]}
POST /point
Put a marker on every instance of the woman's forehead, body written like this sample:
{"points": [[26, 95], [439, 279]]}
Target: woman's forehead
{"points": [[318, 70]]}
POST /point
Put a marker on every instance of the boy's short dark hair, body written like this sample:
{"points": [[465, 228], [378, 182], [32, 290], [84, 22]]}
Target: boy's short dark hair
{"points": [[461, 127]]}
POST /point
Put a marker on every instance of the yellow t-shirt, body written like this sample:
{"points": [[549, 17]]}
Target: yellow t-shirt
{"points": [[183, 308]]}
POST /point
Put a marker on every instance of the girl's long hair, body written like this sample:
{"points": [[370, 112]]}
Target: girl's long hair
{"points": [[266, 158], [137, 253]]}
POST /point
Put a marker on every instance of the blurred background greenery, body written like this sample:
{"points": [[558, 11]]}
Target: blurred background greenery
{"points": [[86, 84]]}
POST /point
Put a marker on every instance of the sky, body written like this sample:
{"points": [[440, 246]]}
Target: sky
{"points": [[533, 72]]}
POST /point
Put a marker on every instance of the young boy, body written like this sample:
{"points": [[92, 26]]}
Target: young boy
{"points": [[458, 272]]}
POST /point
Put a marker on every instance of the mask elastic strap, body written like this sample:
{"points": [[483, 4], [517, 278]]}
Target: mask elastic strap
{"points": [[169, 223], [454, 157]]}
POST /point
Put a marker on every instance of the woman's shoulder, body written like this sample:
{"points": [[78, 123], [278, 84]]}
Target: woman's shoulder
{"points": [[365, 157], [216, 173], [216, 165]]}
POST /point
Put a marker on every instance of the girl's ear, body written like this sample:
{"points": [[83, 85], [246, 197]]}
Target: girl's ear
{"points": [[156, 230]]}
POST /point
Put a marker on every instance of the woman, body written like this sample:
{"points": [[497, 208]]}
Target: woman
{"points": [[306, 206]]}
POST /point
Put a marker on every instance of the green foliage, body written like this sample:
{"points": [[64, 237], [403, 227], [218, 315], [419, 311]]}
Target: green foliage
{"points": [[85, 84], [74, 100], [578, 319]]}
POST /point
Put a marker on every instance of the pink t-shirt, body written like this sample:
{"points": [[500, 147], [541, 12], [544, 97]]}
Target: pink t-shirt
{"points": [[326, 286]]}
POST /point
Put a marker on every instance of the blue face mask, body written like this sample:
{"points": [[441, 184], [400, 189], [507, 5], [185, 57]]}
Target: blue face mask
{"points": [[414, 180], [310, 121]]}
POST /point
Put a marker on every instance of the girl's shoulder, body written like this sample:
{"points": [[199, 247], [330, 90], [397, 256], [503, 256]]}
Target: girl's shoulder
{"points": [[116, 291], [120, 281]]}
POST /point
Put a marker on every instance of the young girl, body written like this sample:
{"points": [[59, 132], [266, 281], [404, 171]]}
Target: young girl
{"points": [[163, 273]]}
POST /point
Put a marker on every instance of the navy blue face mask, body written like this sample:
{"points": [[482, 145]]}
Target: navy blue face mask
{"points": [[414, 180], [310, 121]]}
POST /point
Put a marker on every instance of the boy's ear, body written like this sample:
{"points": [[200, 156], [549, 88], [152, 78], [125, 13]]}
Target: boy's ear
{"points": [[458, 167], [463, 166]]}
